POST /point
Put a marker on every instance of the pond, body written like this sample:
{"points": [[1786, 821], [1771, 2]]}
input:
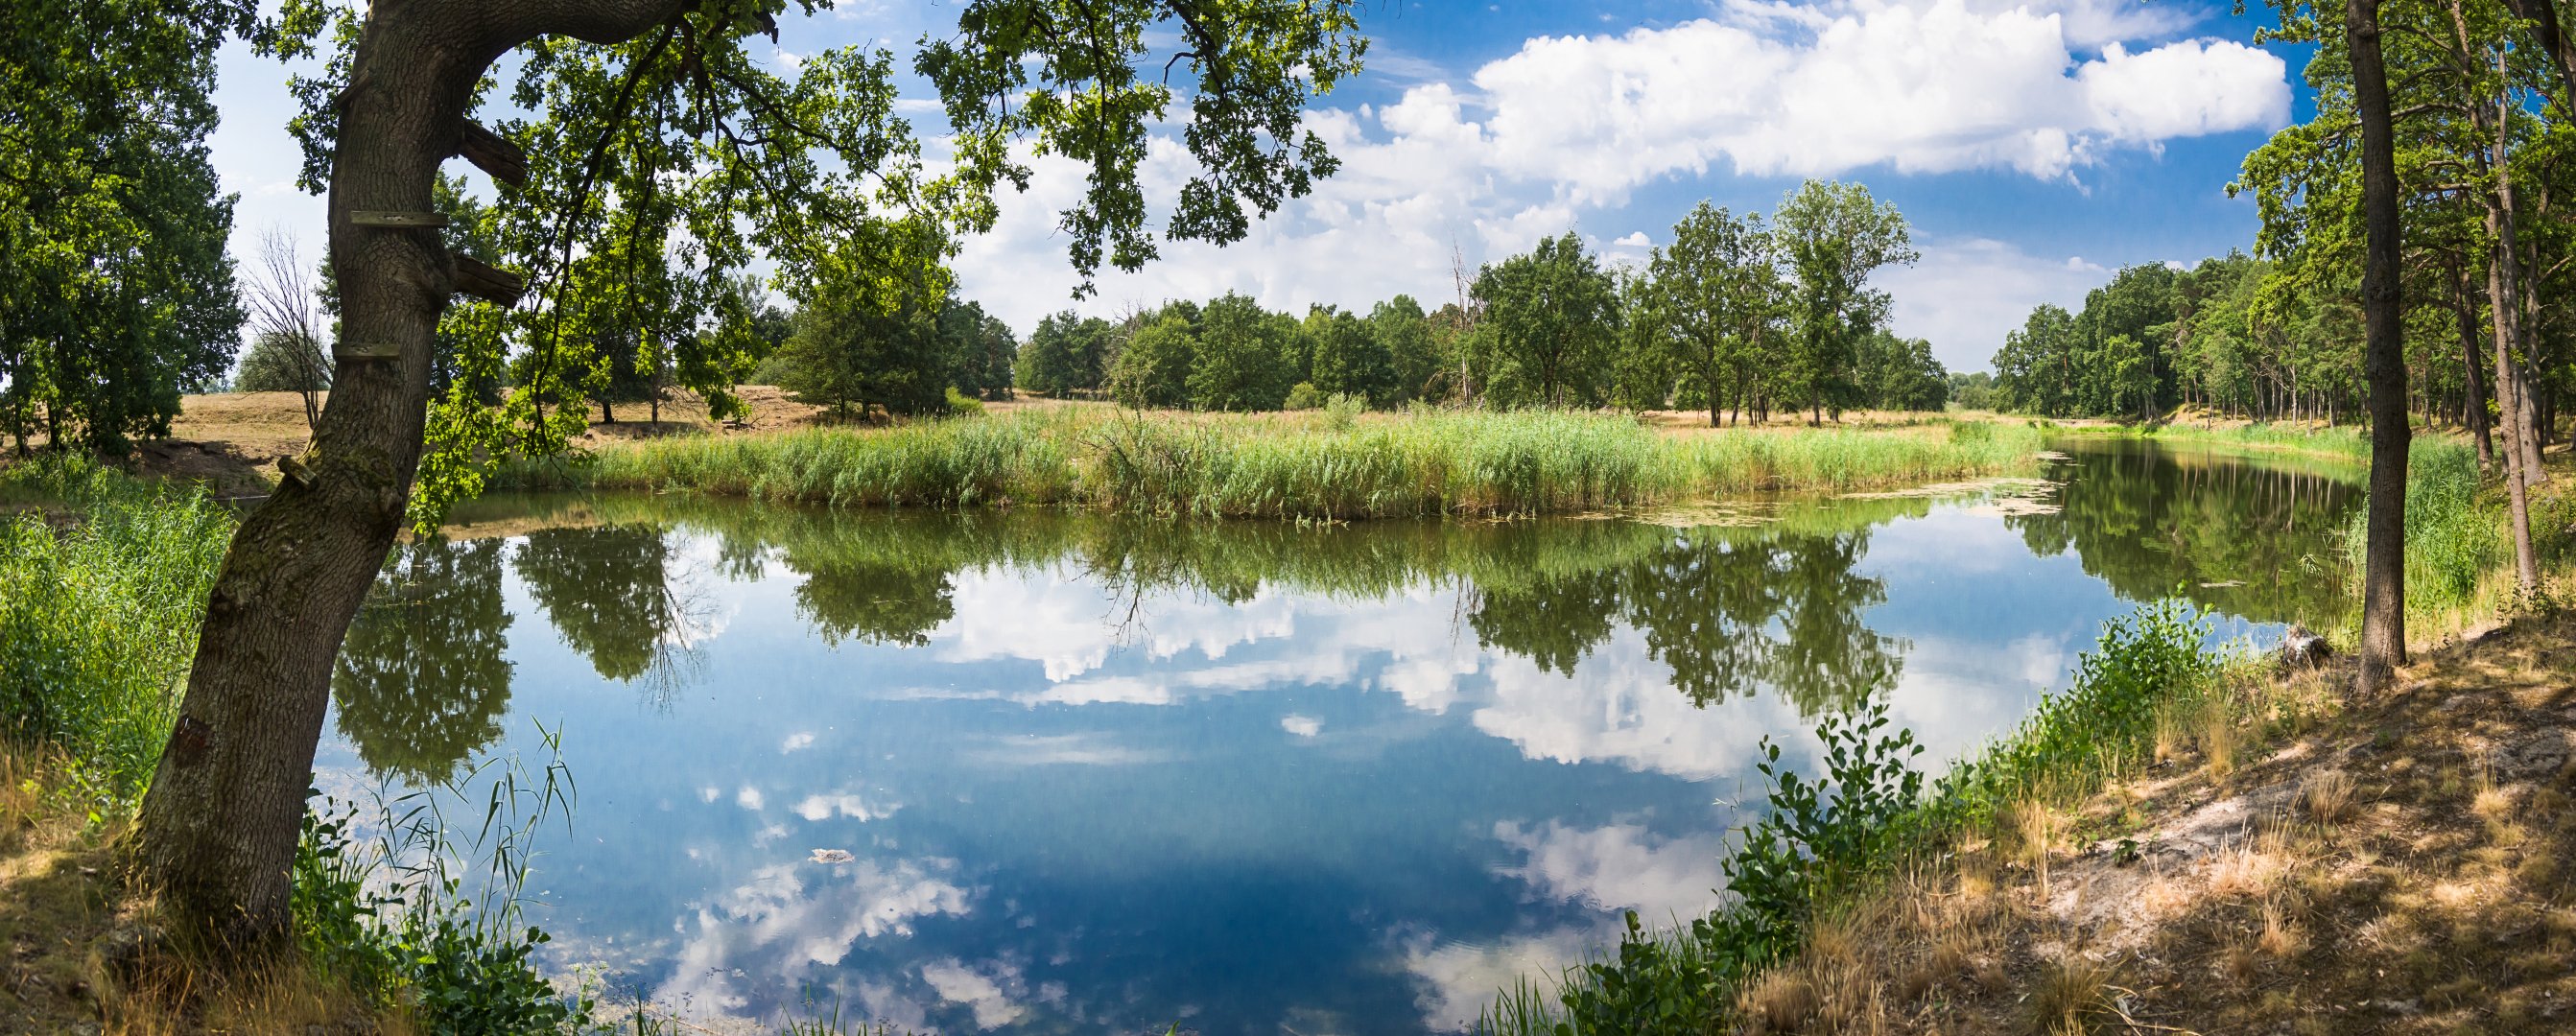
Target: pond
{"points": [[1095, 774]]}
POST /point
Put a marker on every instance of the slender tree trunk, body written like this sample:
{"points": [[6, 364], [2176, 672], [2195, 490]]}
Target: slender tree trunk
{"points": [[218, 826], [2475, 410], [2516, 478], [2383, 594]]}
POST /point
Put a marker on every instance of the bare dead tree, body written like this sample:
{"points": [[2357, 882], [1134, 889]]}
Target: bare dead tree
{"points": [[286, 309]]}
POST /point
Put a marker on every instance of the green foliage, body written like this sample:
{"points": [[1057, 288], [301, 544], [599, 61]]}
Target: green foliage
{"points": [[1818, 841], [1973, 391], [1550, 318], [850, 353], [963, 405], [662, 166], [1711, 302], [414, 918], [1064, 355], [1303, 396], [98, 619], [2106, 714], [980, 350], [1832, 237], [112, 224], [2228, 333], [1246, 356], [1345, 357], [283, 363], [1412, 349], [1154, 369], [1894, 373]]}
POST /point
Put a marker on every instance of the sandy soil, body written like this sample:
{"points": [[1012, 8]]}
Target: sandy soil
{"points": [[2402, 864]]}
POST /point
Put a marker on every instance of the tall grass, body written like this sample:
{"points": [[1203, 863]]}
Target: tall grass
{"points": [[1330, 466], [2346, 442], [1821, 842], [2459, 545], [102, 587], [98, 615]]}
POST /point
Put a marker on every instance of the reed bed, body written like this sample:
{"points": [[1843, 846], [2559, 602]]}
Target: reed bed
{"points": [[98, 615], [2343, 442], [1420, 464]]}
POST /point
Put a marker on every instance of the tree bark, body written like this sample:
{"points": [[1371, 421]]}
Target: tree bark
{"points": [[2516, 433], [219, 824], [2383, 594], [2475, 411], [2543, 16]]}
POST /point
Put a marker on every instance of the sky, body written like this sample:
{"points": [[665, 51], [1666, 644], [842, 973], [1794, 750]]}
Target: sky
{"points": [[2033, 146]]}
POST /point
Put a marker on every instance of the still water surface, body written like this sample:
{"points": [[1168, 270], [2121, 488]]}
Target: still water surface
{"points": [[1096, 774]]}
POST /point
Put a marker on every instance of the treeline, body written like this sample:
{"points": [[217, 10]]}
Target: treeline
{"points": [[1734, 317], [2481, 108], [845, 354], [2238, 335]]}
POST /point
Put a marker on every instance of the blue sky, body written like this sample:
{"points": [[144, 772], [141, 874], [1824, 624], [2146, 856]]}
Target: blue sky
{"points": [[2033, 145]]}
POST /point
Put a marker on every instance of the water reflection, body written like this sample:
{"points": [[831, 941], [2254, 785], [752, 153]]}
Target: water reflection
{"points": [[424, 675], [614, 595], [1093, 774], [1730, 611], [2256, 541]]}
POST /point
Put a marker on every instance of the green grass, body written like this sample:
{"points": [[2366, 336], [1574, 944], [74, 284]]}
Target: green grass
{"points": [[103, 582], [98, 615], [2345, 442], [1329, 466], [1821, 841], [2459, 543]]}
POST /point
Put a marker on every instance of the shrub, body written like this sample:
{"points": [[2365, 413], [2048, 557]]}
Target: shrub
{"points": [[1342, 411], [963, 405], [1820, 841], [98, 619], [1304, 396]]}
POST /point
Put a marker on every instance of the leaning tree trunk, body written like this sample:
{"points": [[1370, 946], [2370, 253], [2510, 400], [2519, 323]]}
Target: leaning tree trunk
{"points": [[219, 824], [2383, 593]]}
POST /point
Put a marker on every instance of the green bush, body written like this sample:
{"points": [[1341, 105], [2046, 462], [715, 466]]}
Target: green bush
{"points": [[1304, 396], [963, 405], [98, 618], [1818, 842], [1342, 411]]}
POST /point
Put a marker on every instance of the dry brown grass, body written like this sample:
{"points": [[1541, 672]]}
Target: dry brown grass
{"points": [[2281, 938], [2072, 997], [2033, 825], [2327, 794], [63, 913], [2423, 888], [2214, 726]]}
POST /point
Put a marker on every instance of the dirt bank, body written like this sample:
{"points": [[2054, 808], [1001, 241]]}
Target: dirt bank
{"points": [[2401, 864]]}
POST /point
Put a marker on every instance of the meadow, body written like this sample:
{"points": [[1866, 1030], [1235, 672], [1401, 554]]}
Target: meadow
{"points": [[1335, 464]]}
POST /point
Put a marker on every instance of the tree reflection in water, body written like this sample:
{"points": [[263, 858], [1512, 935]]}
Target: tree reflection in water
{"points": [[2251, 540], [424, 676], [612, 595], [1780, 607]]}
